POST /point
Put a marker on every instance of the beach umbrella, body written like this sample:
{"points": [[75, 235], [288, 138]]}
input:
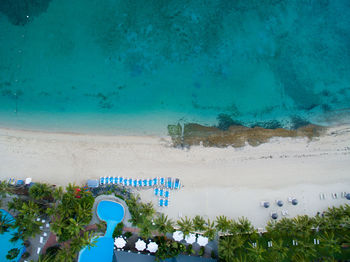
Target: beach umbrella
{"points": [[294, 201], [119, 242], [190, 238], [178, 235], [140, 245], [274, 215], [266, 204], [347, 196], [202, 241], [279, 203], [152, 247]]}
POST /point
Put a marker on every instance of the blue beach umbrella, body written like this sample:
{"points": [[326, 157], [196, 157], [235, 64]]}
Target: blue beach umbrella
{"points": [[294, 201], [348, 196], [274, 215], [266, 204], [279, 203]]}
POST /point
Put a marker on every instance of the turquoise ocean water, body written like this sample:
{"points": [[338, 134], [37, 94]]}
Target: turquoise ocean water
{"points": [[133, 67]]}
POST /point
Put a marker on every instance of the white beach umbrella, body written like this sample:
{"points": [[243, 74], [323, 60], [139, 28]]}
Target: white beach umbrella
{"points": [[190, 238], [202, 241], [140, 245], [119, 242], [178, 235], [152, 247]]}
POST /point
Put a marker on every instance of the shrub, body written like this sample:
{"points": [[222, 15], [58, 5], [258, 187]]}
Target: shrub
{"points": [[25, 255], [127, 235], [118, 231], [189, 250], [201, 251]]}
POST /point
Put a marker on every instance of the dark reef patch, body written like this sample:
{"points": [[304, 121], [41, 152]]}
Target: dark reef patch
{"points": [[236, 136], [20, 12]]}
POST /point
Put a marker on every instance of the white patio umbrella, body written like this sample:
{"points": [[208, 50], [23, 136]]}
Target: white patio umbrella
{"points": [[119, 242], [140, 245], [190, 238], [178, 235], [202, 241], [152, 247]]}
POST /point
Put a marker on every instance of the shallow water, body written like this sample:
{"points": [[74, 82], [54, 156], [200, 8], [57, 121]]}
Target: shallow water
{"points": [[134, 67]]}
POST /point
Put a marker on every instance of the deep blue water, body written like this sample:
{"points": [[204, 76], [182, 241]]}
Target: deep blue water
{"points": [[135, 66]]}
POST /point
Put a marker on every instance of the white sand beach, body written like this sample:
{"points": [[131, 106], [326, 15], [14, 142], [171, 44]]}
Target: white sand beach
{"points": [[216, 181]]}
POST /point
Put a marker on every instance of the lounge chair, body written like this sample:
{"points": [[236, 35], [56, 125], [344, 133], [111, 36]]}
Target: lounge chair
{"points": [[161, 202], [140, 182], [166, 202], [47, 225], [116, 180], [125, 182], [41, 240], [20, 182], [28, 180], [45, 234], [162, 181], [156, 191], [38, 251], [177, 183], [111, 180], [334, 195], [166, 194], [134, 182], [343, 194], [284, 212], [161, 192], [150, 182], [144, 182], [290, 199], [155, 181], [169, 183], [121, 179]]}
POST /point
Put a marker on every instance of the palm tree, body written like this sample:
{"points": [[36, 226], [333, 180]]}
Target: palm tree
{"points": [[330, 243], [244, 226], [222, 224], [256, 253], [198, 223], [4, 189], [5, 223], [164, 225], [210, 230], [304, 251], [146, 229], [185, 225], [302, 226], [40, 191], [277, 252], [226, 248]]}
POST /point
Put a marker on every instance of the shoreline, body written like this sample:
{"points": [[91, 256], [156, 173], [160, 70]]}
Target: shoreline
{"points": [[217, 181]]}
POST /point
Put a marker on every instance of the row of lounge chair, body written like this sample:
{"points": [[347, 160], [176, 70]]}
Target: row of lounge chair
{"points": [[161, 192], [19, 182], [159, 182], [163, 202]]}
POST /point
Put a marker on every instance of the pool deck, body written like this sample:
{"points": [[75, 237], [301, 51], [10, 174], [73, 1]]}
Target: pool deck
{"points": [[96, 220]]}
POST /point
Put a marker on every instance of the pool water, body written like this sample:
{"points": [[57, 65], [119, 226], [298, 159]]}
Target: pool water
{"points": [[6, 245], [112, 213]]}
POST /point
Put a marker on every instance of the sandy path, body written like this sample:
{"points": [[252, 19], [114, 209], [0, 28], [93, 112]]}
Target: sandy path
{"points": [[216, 181]]}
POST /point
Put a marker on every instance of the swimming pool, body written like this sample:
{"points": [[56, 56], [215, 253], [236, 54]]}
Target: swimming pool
{"points": [[5, 243], [112, 213]]}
